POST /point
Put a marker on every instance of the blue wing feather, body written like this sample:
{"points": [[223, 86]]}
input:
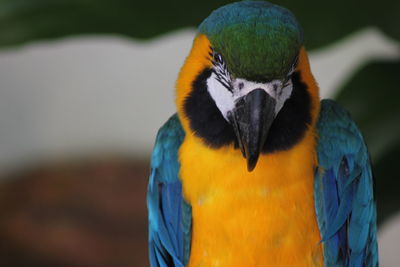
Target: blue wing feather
{"points": [[170, 216], [344, 201]]}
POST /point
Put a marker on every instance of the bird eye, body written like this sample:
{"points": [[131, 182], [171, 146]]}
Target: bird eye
{"points": [[217, 58], [221, 71]]}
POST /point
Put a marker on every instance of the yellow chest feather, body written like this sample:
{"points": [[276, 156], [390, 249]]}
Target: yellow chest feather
{"points": [[262, 218]]}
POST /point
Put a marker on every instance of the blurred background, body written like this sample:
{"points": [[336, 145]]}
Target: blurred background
{"points": [[85, 84]]}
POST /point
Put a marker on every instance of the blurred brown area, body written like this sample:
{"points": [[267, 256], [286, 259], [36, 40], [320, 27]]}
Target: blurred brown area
{"points": [[90, 213]]}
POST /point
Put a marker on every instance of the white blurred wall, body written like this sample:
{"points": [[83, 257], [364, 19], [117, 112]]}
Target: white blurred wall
{"points": [[99, 93]]}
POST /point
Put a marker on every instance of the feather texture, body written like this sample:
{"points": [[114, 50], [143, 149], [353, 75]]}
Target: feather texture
{"points": [[344, 201], [259, 40], [169, 214]]}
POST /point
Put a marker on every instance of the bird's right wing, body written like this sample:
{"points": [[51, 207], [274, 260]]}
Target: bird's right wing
{"points": [[170, 216], [344, 198]]}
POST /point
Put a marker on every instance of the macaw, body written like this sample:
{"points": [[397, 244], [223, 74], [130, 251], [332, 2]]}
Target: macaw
{"points": [[255, 170]]}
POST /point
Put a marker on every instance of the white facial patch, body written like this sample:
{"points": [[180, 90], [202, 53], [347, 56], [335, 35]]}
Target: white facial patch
{"points": [[222, 97], [225, 99]]}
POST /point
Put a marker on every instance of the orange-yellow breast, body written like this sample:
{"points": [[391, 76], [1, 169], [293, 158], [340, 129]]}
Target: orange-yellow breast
{"points": [[262, 218]]}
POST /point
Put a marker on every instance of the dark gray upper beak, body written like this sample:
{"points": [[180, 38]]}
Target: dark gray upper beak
{"points": [[251, 120]]}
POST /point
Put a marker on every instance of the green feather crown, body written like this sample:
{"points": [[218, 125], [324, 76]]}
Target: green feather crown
{"points": [[258, 40]]}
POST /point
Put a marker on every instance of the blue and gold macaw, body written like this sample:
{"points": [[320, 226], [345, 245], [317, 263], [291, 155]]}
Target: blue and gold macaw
{"points": [[255, 170]]}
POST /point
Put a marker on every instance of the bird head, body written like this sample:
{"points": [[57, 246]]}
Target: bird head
{"points": [[246, 81]]}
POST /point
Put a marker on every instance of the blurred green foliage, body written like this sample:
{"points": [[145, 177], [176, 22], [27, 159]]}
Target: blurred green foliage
{"points": [[323, 21], [26, 20]]}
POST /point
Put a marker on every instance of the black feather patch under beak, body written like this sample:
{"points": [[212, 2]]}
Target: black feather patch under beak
{"points": [[251, 120]]}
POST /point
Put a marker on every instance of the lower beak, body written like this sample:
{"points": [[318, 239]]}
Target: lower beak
{"points": [[251, 120]]}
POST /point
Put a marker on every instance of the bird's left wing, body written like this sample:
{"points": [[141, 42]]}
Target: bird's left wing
{"points": [[344, 199], [169, 215]]}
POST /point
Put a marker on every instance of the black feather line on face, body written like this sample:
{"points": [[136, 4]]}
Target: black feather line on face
{"points": [[207, 122], [221, 71]]}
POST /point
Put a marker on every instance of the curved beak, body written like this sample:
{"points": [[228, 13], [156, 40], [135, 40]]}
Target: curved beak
{"points": [[251, 120]]}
